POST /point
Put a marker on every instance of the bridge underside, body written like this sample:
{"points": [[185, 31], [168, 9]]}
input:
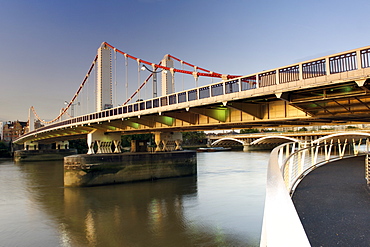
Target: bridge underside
{"points": [[337, 103]]}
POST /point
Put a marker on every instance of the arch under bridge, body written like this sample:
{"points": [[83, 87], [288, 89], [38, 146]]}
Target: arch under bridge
{"points": [[267, 141]]}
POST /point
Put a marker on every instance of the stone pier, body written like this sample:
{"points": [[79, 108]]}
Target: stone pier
{"points": [[101, 169], [42, 155]]}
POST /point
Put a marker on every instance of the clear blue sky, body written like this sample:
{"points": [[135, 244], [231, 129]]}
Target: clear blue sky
{"points": [[47, 46]]}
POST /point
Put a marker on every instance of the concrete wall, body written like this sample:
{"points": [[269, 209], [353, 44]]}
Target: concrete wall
{"points": [[100, 169], [42, 155]]}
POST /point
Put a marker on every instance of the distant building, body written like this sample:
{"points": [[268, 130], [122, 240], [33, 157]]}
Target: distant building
{"points": [[1, 131], [12, 130], [9, 131]]}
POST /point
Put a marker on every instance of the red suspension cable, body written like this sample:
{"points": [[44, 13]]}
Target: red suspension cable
{"points": [[195, 73], [72, 100], [158, 66]]}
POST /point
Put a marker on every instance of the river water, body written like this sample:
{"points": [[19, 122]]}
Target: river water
{"points": [[221, 206]]}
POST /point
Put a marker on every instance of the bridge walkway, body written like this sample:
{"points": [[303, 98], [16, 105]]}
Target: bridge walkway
{"points": [[333, 203]]}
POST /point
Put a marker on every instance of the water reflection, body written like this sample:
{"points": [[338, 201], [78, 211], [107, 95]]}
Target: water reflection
{"points": [[140, 213], [203, 210]]}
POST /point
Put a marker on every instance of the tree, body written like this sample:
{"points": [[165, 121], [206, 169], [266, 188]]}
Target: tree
{"points": [[126, 139], [80, 145], [4, 150], [247, 131], [194, 138]]}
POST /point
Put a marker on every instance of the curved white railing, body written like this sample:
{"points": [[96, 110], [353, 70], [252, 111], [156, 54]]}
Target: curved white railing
{"points": [[281, 224], [288, 164]]}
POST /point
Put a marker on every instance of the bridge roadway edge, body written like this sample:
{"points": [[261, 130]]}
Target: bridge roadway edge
{"points": [[103, 169]]}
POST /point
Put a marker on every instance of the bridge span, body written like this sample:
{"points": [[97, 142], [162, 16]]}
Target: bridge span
{"points": [[269, 140], [328, 90]]}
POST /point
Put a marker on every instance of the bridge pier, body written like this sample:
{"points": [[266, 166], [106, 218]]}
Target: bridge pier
{"points": [[62, 145], [168, 141], [101, 169], [33, 151], [105, 167], [104, 142], [31, 146]]}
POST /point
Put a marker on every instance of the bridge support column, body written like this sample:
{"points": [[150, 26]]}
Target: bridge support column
{"points": [[246, 147], [167, 141], [62, 145], [31, 146], [104, 142]]}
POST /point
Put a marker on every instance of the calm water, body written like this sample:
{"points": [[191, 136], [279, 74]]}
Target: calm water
{"points": [[221, 206]]}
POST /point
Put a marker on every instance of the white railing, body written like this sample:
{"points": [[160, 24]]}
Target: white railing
{"points": [[297, 165], [281, 224], [288, 165], [367, 171]]}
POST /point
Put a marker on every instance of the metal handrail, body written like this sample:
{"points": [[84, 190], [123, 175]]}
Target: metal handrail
{"points": [[298, 164], [288, 164], [281, 224]]}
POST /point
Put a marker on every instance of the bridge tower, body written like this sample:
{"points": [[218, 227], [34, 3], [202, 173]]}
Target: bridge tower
{"points": [[104, 79], [168, 82], [31, 120]]}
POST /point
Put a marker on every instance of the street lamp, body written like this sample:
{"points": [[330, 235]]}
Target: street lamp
{"points": [[154, 74], [72, 107], [144, 67]]}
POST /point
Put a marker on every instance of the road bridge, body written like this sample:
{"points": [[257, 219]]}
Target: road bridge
{"points": [[327, 90], [269, 140]]}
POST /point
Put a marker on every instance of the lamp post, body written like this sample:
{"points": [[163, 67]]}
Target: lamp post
{"points": [[72, 107], [154, 74]]}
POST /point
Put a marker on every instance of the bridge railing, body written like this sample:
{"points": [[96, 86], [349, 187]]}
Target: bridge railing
{"points": [[324, 66], [288, 165]]}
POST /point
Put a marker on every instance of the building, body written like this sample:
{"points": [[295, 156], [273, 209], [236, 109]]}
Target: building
{"points": [[12, 130], [1, 131], [9, 131]]}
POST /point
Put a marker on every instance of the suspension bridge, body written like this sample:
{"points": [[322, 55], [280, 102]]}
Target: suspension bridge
{"points": [[328, 90]]}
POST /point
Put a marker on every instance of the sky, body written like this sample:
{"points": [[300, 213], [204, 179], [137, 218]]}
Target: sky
{"points": [[47, 46]]}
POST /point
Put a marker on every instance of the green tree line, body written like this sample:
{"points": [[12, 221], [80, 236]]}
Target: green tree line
{"points": [[5, 151]]}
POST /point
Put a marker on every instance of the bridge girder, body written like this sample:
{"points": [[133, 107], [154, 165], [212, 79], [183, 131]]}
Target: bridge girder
{"points": [[219, 113], [186, 116], [254, 109], [339, 99]]}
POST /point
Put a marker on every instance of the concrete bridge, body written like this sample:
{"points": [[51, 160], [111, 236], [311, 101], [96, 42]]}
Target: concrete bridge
{"points": [[269, 140]]}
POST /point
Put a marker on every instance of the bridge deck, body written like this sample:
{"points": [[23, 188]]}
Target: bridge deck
{"points": [[333, 203]]}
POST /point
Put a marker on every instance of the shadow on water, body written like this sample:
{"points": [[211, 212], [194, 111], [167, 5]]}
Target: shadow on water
{"points": [[158, 213]]}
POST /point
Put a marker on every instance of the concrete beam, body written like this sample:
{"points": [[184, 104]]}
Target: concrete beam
{"points": [[185, 116], [135, 122], [254, 110], [164, 120], [218, 113]]}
